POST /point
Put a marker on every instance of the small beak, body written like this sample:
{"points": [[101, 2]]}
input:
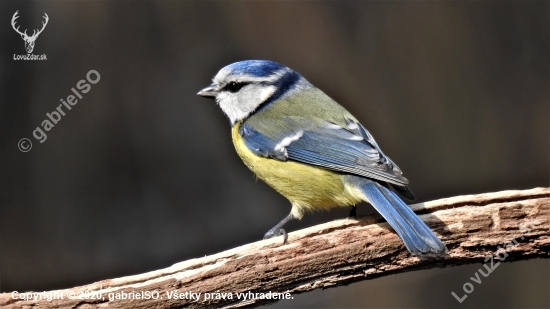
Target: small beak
{"points": [[208, 92]]}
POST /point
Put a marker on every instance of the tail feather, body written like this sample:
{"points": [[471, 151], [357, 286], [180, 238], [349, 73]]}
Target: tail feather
{"points": [[417, 236]]}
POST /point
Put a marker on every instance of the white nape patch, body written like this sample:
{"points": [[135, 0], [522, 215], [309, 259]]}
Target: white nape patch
{"points": [[267, 92], [287, 140]]}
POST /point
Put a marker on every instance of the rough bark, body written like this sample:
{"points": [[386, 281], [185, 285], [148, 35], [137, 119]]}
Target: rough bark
{"points": [[510, 225]]}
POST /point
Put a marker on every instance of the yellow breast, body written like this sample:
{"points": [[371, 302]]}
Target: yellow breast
{"points": [[306, 186]]}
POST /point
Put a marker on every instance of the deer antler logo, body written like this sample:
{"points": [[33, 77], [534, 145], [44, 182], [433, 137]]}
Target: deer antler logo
{"points": [[29, 40]]}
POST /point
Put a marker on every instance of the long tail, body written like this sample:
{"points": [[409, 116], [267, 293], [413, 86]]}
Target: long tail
{"points": [[417, 236]]}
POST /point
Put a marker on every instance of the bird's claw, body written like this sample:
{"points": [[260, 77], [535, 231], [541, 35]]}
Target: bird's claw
{"points": [[275, 233]]}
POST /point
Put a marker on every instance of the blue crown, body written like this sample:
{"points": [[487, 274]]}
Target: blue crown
{"points": [[257, 68]]}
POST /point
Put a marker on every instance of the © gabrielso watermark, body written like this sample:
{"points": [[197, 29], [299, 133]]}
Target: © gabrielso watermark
{"points": [[490, 265], [52, 118], [30, 40]]}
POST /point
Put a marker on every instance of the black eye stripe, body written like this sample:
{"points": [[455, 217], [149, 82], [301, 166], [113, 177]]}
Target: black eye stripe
{"points": [[234, 86]]}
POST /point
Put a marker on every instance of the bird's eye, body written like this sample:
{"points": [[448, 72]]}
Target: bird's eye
{"points": [[234, 87]]}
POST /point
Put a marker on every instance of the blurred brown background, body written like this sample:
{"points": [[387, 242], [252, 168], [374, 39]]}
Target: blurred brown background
{"points": [[141, 173]]}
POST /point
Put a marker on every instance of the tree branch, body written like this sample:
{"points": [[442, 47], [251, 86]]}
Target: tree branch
{"points": [[512, 223]]}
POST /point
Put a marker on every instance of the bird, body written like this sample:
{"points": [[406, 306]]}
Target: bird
{"points": [[311, 150]]}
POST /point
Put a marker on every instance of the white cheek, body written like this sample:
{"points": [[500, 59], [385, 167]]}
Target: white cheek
{"points": [[266, 93], [238, 106], [229, 105]]}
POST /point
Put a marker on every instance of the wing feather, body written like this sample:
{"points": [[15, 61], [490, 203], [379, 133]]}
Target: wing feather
{"points": [[349, 149]]}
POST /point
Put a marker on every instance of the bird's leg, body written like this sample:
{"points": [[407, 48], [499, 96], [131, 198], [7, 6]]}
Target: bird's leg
{"points": [[353, 212], [278, 231]]}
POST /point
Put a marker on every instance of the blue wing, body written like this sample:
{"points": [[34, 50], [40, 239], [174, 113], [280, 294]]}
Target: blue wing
{"points": [[350, 149]]}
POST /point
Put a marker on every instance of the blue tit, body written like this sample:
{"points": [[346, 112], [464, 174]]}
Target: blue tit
{"points": [[312, 150]]}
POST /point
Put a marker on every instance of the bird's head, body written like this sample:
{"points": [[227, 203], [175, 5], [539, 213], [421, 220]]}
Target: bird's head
{"points": [[242, 87]]}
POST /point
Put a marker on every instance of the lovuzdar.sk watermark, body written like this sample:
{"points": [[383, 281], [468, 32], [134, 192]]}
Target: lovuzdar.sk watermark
{"points": [[83, 86], [30, 57], [30, 40], [501, 254]]}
